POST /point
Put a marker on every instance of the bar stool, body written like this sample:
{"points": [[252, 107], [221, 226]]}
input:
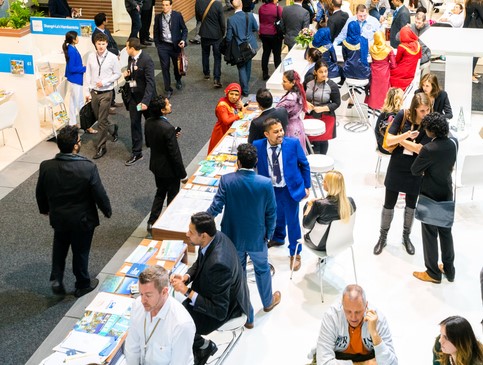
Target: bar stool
{"points": [[319, 164], [251, 271], [357, 87], [313, 127], [236, 327]]}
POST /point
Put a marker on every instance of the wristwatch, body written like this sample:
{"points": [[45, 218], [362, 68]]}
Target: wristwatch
{"points": [[187, 294]]}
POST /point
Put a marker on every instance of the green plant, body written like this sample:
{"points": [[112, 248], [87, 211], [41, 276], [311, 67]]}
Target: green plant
{"points": [[19, 14]]}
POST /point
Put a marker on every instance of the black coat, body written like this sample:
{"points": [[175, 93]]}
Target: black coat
{"points": [[179, 32], [336, 22], [474, 16], [256, 127], [166, 160], [111, 43], [143, 74], [441, 104], [213, 27], [59, 9], [69, 190]]}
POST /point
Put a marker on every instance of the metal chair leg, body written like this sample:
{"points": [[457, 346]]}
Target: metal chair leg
{"points": [[293, 262], [354, 263], [21, 146]]}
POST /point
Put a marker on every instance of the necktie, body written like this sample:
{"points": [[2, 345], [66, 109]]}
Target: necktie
{"points": [[276, 166], [395, 13]]}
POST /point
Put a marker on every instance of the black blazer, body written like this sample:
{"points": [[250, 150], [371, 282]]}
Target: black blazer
{"points": [[166, 160], [143, 74], [336, 22], [402, 18], [69, 190], [441, 104], [59, 9], [474, 10], [256, 127], [179, 32], [111, 43], [220, 283], [213, 27]]}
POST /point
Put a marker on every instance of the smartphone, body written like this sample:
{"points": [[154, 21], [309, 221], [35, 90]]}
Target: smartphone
{"points": [[139, 107], [178, 129]]}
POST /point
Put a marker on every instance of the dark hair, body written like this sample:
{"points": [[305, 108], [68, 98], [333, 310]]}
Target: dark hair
{"points": [[100, 37], [100, 18], [70, 37], [267, 123], [264, 98], [320, 64], [134, 43], [204, 223], [297, 87], [156, 105], [433, 80], [337, 3], [170, 1], [314, 54], [436, 123], [421, 9], [247, 155], [67, 138], [361, 8]]}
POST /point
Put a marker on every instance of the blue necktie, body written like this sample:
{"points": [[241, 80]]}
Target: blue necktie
{"points": [[276, 166], [395, 13]]}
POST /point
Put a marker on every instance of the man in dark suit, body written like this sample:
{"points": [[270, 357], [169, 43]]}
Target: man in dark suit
{"points": [[61, 9], [133, 8], [400, 18], [219, 289], [249, 220], [336, 20], [294, 19], [146, 18], [170, 34], [265, 103], [211, 31], [140, 76], [166, 162], [69, 190], [283, 160]]}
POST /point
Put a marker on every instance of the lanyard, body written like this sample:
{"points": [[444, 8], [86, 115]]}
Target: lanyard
{"points": [[100, 63], [270, 163], [151, 334]]}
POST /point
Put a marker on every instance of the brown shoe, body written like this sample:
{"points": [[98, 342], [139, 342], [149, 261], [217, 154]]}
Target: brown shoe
{"points": [[273, 243], [276, 298], [295, 263], [249, 325], [424, 276]]}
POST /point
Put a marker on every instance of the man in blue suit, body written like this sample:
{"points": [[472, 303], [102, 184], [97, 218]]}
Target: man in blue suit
{"points": [[283, 160], [249, 220]]}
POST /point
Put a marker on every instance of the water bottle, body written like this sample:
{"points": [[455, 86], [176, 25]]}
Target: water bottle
{"points": [[461, 121]]}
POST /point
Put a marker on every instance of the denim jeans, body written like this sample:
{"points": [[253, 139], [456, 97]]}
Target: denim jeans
{"points": [[206, 45], [244, 72]]}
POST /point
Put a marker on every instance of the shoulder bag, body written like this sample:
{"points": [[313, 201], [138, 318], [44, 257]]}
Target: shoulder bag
{"points": [[246, 50], [385, 146], [278, 24], [87, 116]]}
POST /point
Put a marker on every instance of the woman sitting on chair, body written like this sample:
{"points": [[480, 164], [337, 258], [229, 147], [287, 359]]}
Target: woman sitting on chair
{"points": [[355, 51], [324, 45], [337, 206], [312, 55], [407, 56], [439, 98]]}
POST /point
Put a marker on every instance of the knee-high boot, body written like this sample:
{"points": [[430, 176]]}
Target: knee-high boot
{"points": [[386, 219], [408, 224]]}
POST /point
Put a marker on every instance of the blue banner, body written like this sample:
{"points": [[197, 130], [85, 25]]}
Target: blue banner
{"points": [[60, 26], [17, 64]]}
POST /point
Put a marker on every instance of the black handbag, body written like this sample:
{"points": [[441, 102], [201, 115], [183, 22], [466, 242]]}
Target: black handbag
{"points": [[278, 25], [125, 92], [246, 50], [87, 116], [230, 51]]}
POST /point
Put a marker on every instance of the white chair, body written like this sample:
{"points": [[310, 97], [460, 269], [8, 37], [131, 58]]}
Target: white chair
{"points": [[357, 87], [319, 164], [313, 127], [123, 57], [340, 237], [236, 327], [8, 114], [472, 172]]}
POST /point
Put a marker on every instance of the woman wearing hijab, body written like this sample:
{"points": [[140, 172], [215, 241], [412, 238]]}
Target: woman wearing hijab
{"points": [[407, 56], [383, 61], [322, 42], [355, 51], [229, 109]]}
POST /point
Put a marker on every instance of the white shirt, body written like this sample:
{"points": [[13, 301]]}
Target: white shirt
{"points": [[368, 28], [171, 342], [105, 68]]}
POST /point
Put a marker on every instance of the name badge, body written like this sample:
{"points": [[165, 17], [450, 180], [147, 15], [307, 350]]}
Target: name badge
{"points": [[133, 84], [407, 152]]}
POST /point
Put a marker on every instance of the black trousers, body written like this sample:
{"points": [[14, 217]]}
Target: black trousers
{"points": [[390, 199], [430, 247], [136, 128], [146, 18], [271, 44], [165, 186], [167, 52], [80, 241]]}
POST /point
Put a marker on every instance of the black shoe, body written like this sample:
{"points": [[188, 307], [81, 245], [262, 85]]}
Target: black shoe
{"points": [[115, 135], [150, 229], [179, 85], [57, 288], [380, 245], [217, 84], [273, 243], [142, 46], [146, 43], [195, 41], [206, 77], [408, 245], [133, 160], [100, 152], [202, 356], [266, 77], [150, 39], [169, 93], [81, 292]]}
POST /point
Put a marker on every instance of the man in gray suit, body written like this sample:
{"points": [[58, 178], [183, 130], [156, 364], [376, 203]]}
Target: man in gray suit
{"points": [[400, 18], [294, 19]]}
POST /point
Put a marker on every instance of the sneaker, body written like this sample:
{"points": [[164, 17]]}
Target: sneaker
{"points": [[179, 85], [217, 84], [206, 77], [133, 160]]}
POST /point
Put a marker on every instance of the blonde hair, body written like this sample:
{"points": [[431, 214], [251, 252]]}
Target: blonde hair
{"points": [[336, 189], [393, 101]]}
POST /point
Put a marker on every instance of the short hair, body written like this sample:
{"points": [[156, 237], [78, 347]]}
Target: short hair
{"points": [[155, 274], [337, 3], [267, 123], [418, 100], [170, 1], [354, 292], [460, 6], [264, 98], [421, 9], [247, 155], [100, 18], [67, 138], [421, 16], [100, 37], [204, 223], [134, 42], [361, 8], [433, 80], [156, 105], [436, 123]]}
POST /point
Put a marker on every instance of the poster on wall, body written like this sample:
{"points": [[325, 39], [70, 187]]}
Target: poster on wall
{"points": [[16, 64], [60, 26], [17, 67]]}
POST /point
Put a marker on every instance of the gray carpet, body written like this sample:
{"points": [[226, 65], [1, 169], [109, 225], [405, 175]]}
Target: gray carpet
{"points": [[29, 311]]}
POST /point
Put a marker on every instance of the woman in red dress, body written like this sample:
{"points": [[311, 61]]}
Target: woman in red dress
{"points": [[407, 57], [383, 61], [229, 109]]}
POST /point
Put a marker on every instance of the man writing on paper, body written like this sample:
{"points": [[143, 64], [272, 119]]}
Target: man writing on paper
{"points": [[161, 331]]}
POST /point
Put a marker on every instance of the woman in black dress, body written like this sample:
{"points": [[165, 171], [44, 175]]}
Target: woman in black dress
{"points": [[439, 98], [406, 132]]}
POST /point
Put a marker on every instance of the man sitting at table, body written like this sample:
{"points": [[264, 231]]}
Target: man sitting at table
{"points": [[265, 103], [369, 25], [219, 290], [161, 331], [352, 332]]}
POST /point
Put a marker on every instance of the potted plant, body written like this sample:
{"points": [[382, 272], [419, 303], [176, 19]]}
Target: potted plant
{"points": [[18, 18]]}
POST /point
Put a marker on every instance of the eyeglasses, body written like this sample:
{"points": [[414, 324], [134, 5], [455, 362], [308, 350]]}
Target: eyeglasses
{"points": [[79, 141]]}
